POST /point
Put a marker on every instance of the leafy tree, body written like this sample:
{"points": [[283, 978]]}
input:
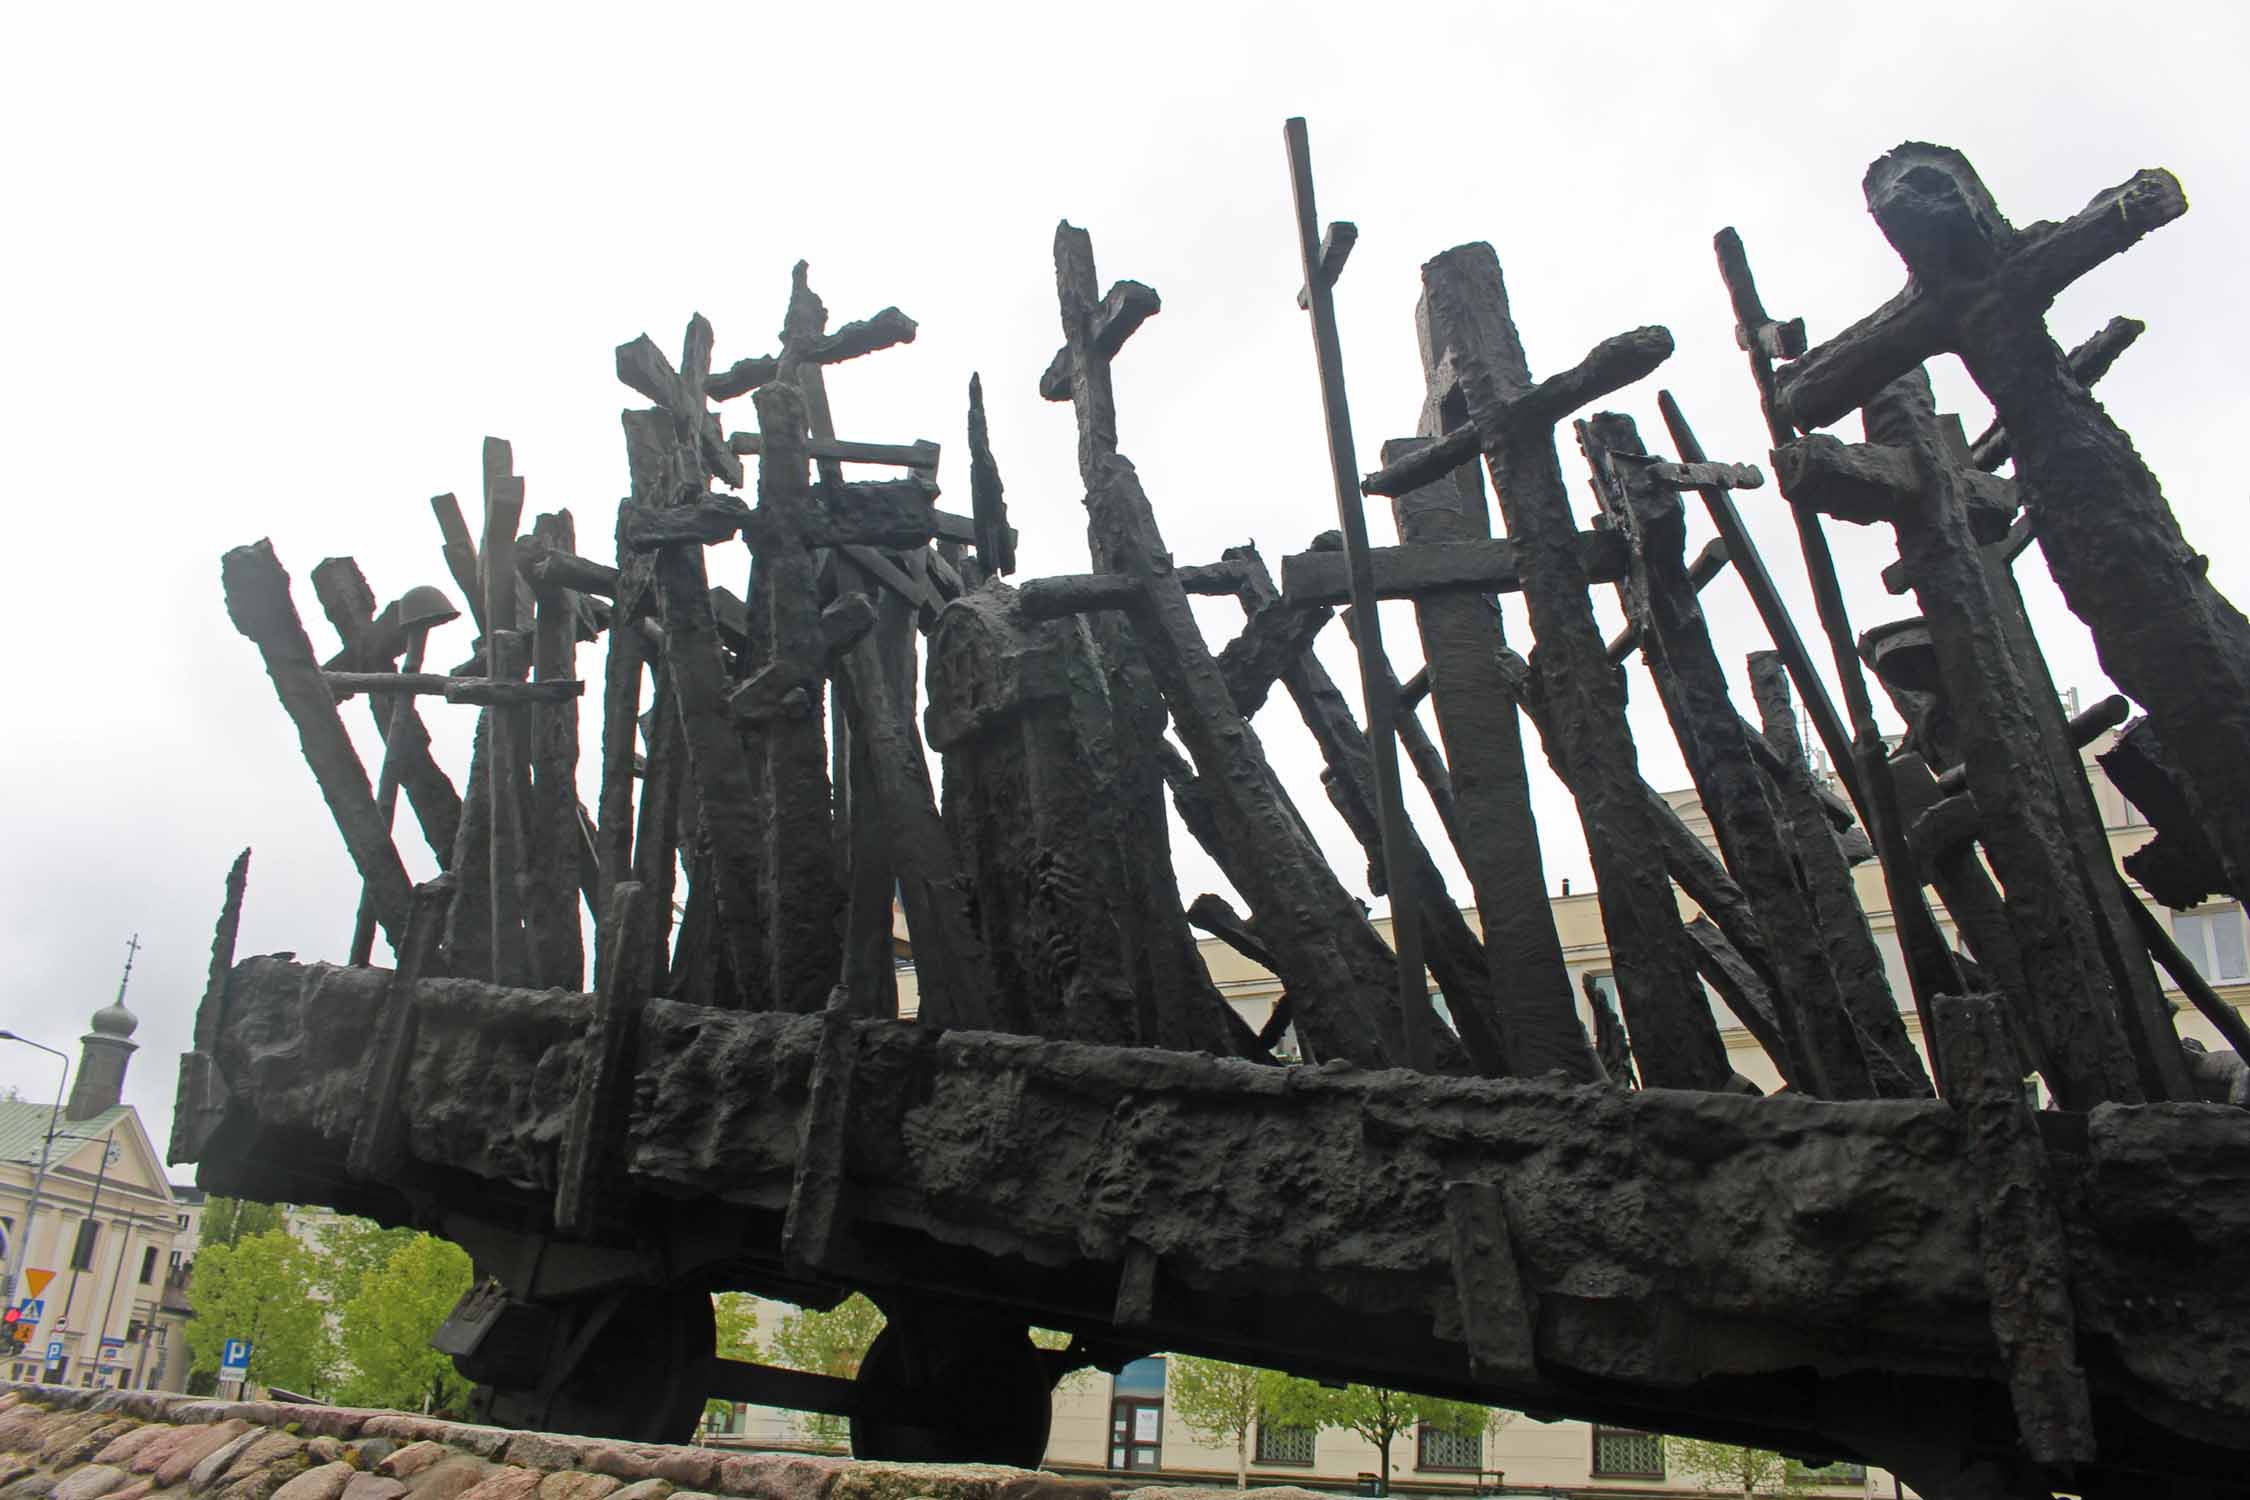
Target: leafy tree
{"points": [[261, 1287], [1376, 1413], [351, 1250], [828, 1343], [228, 1221], [1222, 1403], [737, 1316], [1724, 1466], [736, 1313], [1056, 1339], [386, 1328]]}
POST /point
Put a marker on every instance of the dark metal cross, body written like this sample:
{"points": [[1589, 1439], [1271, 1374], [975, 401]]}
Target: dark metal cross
{"points": [[1980, 288], [1483, 392], [1859, 755], [1640, 497], [1378, 688], [1915, 474], [1331, 960], [683, 393]]}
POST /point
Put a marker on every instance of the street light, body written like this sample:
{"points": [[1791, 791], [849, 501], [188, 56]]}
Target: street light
{"points": [[22, 1242]]}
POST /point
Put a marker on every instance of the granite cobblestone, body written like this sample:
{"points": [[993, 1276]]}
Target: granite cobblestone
{"points": [[75, 1444]]}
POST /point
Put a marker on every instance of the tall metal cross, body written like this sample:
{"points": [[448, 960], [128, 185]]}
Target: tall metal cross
{"points": [[132, 947], [1323, 262], [1859, 753]]}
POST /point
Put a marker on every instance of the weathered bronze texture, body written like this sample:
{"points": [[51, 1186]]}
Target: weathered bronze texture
{"points": [[1521, 1192]]}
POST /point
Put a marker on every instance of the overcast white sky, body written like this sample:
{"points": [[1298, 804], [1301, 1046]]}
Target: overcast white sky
{"points": [[274, 271]]}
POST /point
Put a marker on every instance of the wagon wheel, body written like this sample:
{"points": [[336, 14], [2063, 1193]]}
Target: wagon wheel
{"points": [[949, 1387], [633, 1365]]}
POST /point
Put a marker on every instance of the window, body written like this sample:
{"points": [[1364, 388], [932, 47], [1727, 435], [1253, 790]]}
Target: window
{"points": [[2213, 942], [1623, 1453], [174, 1262], [1284, 1445], [82, 1253], [148, 1265], [1435, 1448], [183, 1221]]}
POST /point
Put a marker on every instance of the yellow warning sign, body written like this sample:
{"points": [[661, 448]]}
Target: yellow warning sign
{"points": [[35, 1281]]}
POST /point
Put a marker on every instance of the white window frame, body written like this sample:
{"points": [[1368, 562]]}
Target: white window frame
{"points": [[2198, 933]]}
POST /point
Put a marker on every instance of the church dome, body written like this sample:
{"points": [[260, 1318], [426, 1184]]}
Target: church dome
{"points": [[115, 1020]]}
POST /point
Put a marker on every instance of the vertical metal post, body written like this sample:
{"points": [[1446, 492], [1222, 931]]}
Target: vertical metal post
{"points": [[20, 1245], [1376, 683]]}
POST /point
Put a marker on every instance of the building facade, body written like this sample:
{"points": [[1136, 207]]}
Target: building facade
{"points": [[1123, 1424], [99, 1252]]}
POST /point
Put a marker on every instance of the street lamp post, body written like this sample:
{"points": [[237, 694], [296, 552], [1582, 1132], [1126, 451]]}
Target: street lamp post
{"points": [[21, 1243]]}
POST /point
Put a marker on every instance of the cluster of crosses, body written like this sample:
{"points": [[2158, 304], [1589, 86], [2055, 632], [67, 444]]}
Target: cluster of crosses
{"points": [[773, 745]]}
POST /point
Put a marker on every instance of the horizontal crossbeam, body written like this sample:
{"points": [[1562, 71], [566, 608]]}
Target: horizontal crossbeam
{"points": [[1487, 565]]}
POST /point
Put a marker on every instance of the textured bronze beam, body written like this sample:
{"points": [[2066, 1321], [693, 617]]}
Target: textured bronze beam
{"points": [[1466, 318], [1484, 565], [257, 595]]}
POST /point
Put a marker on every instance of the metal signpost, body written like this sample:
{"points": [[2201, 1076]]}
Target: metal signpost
{"points": [[234, 1363]]}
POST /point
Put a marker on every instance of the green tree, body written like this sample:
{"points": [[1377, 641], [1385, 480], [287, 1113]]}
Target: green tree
{"points": [[261, 1287], [1724, 1466], [828, 1343], [1223, 1403], [1376, 1413], [351, 1250], [386, 1328], [228, 1221], [736, 1314]]}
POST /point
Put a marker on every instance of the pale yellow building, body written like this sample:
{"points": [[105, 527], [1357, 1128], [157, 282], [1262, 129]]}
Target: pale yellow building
{"points": [[99, 1251], [1122, 1425]]}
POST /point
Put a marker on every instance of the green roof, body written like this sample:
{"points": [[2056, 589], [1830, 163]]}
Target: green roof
{"points": [[23, 1125]]}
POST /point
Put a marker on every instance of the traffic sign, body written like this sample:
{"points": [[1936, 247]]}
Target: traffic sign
{"points": [[54, 1352], [234, 1359], [35, 1281], [34, 1310]]}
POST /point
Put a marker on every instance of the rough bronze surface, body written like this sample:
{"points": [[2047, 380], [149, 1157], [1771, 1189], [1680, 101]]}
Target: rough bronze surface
{"points": [[1815, 1031], [1466, 328], [1492, 821], [1519, 1194], [1662, 1231]]}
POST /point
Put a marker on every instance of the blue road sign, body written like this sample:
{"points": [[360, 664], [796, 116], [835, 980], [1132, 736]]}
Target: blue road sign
{"points": [[54, 1352], [34, 1309], [234, 1359]]}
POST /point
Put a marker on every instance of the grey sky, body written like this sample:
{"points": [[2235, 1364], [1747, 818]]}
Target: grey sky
{"points": [[275, 271]]}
